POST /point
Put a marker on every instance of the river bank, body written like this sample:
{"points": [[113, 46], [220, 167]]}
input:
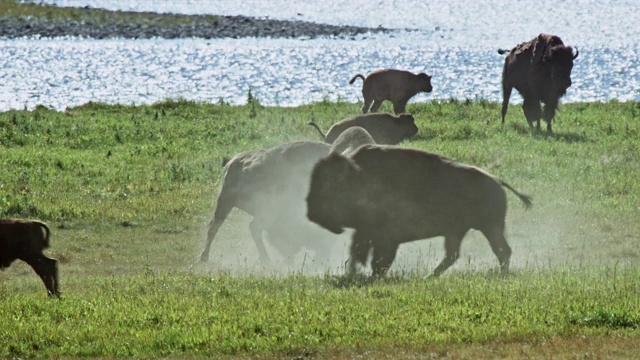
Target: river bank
{"points": [[31, 20]]}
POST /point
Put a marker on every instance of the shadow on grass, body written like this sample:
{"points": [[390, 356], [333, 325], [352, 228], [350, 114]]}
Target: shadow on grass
{"points": [[568, 137], [399, 277]]}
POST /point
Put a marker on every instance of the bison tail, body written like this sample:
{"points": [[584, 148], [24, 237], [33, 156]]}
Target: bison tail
{"points": [[355, 77], [47, 233], [526, 199], [324, 136], [503, 51]]}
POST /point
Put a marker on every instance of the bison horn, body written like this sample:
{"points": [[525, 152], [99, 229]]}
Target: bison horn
{"points": [[576, 55]]}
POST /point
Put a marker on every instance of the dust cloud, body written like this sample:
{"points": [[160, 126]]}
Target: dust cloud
{"points": [[552, 234]]}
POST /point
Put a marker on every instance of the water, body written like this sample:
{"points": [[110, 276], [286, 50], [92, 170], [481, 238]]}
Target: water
{"points": [[450, 41]]}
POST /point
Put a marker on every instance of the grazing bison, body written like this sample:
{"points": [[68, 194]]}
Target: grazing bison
{"points": [[397, 86], [384, 128], [351, 139], [392, 195], [24, 240], [540, 70], [271, 186]]}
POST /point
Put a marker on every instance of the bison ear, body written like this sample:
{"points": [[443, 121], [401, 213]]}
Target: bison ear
{"points": [[539, 49]]}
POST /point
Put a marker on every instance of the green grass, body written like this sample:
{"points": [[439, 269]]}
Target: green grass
{"points": [[100, 16], [129, 192]]}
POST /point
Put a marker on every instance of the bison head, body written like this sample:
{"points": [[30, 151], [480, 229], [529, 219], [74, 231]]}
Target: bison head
{"points": [[330, 197], [425, 82], [408, 125], [561, 60]]}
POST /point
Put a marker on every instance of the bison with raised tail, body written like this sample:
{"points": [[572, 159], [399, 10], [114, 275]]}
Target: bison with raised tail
{"points": [[392, 195], [25, 240], [540, 70], [397, 86]]}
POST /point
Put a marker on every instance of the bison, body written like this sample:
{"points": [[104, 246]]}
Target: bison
{"points": [[392, 195], [25, 240], [351, 139], [271, 185], [397, 86], [384, 128], [540, 70]]}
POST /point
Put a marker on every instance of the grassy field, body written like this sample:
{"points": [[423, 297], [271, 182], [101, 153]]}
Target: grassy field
{"points": [[129, 192]]}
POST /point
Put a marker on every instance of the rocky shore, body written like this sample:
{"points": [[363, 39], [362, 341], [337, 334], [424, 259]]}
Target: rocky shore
{"points": [[168, 26]]}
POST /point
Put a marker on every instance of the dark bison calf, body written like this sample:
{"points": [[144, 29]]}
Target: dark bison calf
{"points": [[25, 240], [384, 128], [540, 69], [397, 86], [392, 195]]}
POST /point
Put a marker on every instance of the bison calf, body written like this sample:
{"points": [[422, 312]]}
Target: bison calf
{"points": [[397, 86], [25, 240], [384, 128], [392, 195], [540, 69]]}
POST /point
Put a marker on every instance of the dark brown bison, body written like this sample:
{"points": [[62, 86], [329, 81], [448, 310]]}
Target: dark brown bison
{"points": [[540, 70], [25, 240], [271, 186], [384, 128], [392, 195], [397, 86]]}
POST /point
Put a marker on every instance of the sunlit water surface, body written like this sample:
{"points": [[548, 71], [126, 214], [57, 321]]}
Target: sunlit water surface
{"points": [[454, 41]]}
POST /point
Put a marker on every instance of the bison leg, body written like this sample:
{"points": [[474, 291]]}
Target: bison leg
{"points": [[256, 234], [47, 269], [222, 211], [359, 250], [499, 246], [506, 94], [532, 111], [376, 105], [549, 112], [399, 106], [367, 104], [383, 256], [452, 249]]}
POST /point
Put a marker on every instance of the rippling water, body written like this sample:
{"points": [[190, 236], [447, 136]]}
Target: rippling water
{"points": [[452, 43]]}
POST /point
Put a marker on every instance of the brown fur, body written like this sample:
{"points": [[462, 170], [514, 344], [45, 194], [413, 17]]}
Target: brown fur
{"points": [[384, 128], [392, 195], [540, 69], [351, 139], [270, 185], [24, 240], [397, 86]]}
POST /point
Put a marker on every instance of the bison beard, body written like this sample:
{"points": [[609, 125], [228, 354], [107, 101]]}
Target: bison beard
{"points": [[540, 70], [393, 195], [24, 240]]}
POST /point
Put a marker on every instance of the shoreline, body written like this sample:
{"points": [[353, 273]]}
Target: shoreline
{"points": [[51, 22]]}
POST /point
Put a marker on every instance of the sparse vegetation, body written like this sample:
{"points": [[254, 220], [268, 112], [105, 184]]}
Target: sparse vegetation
{"points": [[129, 192]]}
